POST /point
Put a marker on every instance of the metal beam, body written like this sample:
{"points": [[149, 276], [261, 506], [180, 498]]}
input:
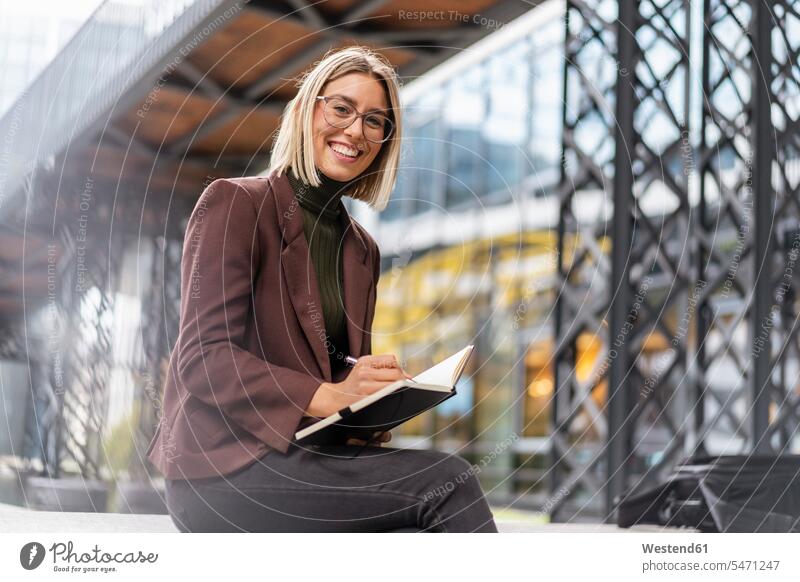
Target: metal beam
{"points": [[619, 399], [362, 10], [760, 177], [235, 106], [309, 13], [288, 68]]}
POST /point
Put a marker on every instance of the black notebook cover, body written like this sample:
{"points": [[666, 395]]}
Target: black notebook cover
{"points": [[382, 415]]}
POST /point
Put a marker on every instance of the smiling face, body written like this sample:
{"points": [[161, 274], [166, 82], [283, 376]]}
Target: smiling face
{"points": [[344, 154]]}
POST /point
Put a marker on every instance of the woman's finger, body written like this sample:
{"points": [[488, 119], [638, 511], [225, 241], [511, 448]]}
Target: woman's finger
{"points": [[377, 438], [384, 361], [384, 374]]}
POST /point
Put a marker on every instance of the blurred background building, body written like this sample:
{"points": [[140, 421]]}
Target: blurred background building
{"points": [[601, 196]]}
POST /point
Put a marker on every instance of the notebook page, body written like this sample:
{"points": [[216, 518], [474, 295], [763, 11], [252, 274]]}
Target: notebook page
{"points": [[446, 372]]}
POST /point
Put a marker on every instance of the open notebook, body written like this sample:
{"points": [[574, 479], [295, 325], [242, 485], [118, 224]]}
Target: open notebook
{"points": [[391, 405]]}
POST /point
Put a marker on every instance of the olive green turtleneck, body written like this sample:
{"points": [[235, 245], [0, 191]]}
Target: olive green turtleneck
{"points": [[323, 232]]}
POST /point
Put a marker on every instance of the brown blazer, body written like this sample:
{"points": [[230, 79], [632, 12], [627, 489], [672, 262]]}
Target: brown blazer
{"points": [[251, 348]]}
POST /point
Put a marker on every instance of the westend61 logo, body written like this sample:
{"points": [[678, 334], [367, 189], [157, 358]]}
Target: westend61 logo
{"points": [[66, 559]]}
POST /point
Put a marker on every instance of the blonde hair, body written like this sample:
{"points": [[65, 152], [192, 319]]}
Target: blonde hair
{"points": [[294, 147]]}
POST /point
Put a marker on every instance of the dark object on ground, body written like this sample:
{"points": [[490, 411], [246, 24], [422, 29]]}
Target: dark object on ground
{"points": [[735, 493]]}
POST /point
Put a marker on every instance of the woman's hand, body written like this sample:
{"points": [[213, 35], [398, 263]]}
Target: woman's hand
{"points": [[370, 374], [378, 438]]}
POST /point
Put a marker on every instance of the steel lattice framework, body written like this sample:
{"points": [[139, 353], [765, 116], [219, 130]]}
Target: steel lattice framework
{"points": [[89, 225], [784, 88], [687, 282], [584, 267], [726, 207]]}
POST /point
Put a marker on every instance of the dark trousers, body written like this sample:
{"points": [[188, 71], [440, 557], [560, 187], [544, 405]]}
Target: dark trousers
{"points": [[329, 489]]}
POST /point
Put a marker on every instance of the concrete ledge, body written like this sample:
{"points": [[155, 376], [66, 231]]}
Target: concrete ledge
{"points": [[21, 520], [526, 527]]}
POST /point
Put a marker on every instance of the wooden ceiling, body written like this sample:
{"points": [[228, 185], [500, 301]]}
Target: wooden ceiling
{"points": [[225, 99], [216, 112]]}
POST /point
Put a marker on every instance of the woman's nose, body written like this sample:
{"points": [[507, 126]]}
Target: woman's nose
{"points": [[356, 129]]}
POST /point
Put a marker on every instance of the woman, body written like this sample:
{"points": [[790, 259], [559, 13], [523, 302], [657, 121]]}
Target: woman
{"points": [[278, 288]]}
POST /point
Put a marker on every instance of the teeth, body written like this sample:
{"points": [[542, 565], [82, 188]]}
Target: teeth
{"points": [[344, 150]]}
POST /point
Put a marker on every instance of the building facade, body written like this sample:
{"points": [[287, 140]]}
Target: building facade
{"points": [[469, 248]]}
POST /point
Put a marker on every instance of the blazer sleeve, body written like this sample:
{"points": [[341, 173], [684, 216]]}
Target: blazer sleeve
{"points": [[218, 267]]}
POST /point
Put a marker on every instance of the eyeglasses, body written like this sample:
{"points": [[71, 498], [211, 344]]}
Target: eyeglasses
{"points": [[377, 128]]}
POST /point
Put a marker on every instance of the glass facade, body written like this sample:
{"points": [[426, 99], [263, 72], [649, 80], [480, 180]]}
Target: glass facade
{"points": [[482, 144], [487, 133]]}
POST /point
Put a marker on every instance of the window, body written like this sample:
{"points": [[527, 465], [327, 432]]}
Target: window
{"points": [[465, 112], [506, 128], [545, 146], [424, 143], [394, 209]]}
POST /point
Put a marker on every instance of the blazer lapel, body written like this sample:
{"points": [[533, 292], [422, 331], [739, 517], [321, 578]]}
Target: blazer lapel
{"points": [[302, 279]]}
